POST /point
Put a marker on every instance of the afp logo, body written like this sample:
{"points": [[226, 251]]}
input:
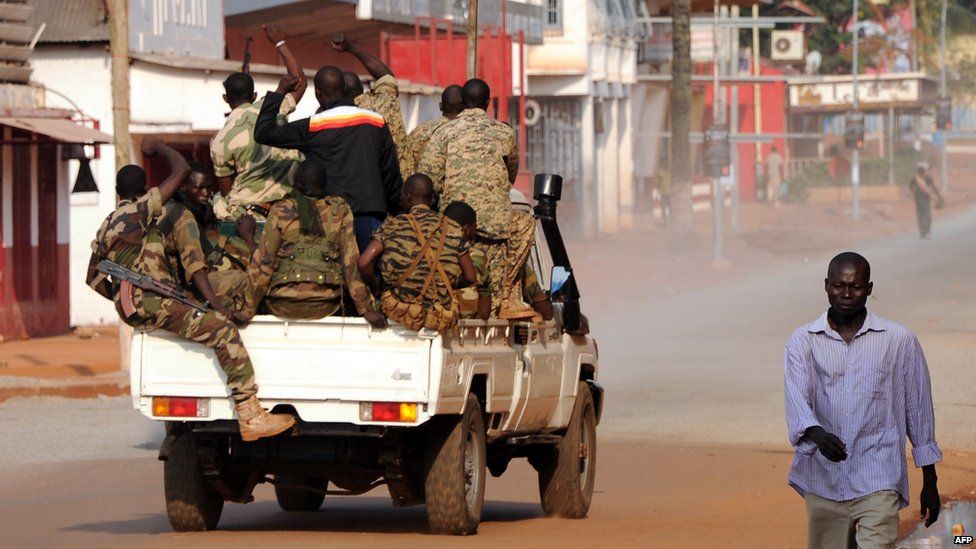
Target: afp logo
{"points": [[962, 540]]}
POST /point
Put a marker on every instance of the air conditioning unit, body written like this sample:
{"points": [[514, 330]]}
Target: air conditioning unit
{"points": [[787, 45]]}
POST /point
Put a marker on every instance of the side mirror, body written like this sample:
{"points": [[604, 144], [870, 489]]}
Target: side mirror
{"points": [[559, 284]]}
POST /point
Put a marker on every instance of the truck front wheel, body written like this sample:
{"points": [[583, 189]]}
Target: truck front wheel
{"points": [[192, 504], [296, 499], [566, 472], [454, 486]]}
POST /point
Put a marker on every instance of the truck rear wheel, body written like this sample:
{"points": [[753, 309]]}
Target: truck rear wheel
{"points": [[192, 504], [296, 499], [566, 472], [454, 485]]}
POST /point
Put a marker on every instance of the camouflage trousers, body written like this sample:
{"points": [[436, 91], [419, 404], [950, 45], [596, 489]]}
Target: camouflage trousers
{"points": [[210, 328], [507, 257], [229, 285]]}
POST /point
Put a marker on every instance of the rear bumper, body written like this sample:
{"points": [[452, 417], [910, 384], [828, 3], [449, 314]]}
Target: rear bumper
{"points": [[308, 412]]}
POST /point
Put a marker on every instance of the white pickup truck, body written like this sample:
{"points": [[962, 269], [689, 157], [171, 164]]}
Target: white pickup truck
{"points": [[424, 413]]}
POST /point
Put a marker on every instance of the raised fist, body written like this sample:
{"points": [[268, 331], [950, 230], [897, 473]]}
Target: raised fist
{"points": [[340, 42], [274, 33]]}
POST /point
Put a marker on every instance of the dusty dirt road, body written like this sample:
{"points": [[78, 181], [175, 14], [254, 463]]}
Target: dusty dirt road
{"points": [[692, 445], [647, 496]]}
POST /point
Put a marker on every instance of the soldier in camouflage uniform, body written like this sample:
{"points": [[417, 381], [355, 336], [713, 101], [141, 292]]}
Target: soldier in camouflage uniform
{"points": [[248, 173], [382, 98], [146, 235], [227, 256], [474, 159], [423, 257], [450, 107], [308, 255], [475, 300]]}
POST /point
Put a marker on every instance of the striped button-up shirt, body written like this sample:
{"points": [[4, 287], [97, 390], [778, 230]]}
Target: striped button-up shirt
{"points": [[870, 393]]}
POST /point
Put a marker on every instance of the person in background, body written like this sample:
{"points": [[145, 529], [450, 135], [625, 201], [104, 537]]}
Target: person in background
{"points": [[383, 98], [251, 176], [663, 191], [856, 386], [923, 190], [774, 176]]}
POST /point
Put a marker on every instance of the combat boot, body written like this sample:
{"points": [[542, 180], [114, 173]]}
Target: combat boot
{"points": [[513, 308], [256, 422]]}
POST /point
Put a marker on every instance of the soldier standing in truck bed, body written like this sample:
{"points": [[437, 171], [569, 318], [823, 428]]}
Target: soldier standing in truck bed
{"points": [[308, 255], [250, 174], [474, 159], [135, 236], [451, 106], [383, 98]]}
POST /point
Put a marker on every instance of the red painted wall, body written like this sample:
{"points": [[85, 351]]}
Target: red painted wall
{"points": [[34, 279], [773, 108]]}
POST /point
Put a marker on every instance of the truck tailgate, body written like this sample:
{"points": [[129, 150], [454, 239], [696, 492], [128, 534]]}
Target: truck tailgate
{"points": [[335, 359]]}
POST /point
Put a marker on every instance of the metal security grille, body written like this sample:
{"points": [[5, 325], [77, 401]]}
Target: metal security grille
{"points": [[554, 143], [554, 18]]}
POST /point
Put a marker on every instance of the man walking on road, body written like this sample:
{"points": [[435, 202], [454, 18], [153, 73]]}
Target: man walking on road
{"points": [[923, 189], [774, 176], [856, 385]]}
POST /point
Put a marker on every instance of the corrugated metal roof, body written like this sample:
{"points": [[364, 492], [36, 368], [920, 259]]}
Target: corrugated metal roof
{"points": [[70, 20]]}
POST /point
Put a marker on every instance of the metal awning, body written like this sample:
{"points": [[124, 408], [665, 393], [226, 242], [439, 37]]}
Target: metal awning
{"points": [[61, 129]]}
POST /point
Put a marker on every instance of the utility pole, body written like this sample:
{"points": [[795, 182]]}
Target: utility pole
{"points": [[472, 38], [757, 96], [943, 153], [855, 153], [718, 117], [119, 52]]}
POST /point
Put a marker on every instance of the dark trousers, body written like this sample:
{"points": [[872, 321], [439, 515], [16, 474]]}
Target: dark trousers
{"points": [[364, 226], [923, 209]]}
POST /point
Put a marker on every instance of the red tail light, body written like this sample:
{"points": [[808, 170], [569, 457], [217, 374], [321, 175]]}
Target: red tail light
{"points": [[180, 407]]}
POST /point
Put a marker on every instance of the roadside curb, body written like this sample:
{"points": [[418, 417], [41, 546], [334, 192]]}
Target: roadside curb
{"points": [[115, 384]]}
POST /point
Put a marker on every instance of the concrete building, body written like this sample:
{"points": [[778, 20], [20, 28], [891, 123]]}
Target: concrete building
{"points": [[177, 65], [581, 121], [37, 146]]}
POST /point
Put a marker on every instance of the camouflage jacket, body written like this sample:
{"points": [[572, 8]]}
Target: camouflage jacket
{"points": [[532, 291], [474, 159], [468, 297], [225, 253], [261, 173], [384, 99], [278, 245], [420, 136], [160, 241], [401, 246]]}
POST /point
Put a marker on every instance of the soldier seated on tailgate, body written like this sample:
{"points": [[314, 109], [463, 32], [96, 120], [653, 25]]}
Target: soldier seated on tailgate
{"points": [[475, 300], [307, 256], [151, 235], [423, 259]]}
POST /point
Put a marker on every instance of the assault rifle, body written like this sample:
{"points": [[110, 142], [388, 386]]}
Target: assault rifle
{"points": [[125, 276]]}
